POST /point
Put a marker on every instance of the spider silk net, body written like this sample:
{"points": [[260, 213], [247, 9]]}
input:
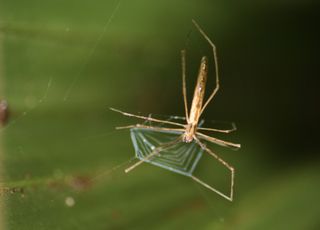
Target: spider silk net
{"points": [[181, 157]]}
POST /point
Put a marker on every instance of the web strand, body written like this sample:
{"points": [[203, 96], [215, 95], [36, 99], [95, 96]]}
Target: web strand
{"points": [[92, 51]]}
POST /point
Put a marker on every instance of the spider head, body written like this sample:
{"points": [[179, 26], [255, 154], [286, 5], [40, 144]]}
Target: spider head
{"points": [[189, 133]]}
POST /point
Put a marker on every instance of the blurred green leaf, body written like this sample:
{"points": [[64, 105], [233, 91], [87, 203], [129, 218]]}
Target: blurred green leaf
{"points": [[64, 63]]}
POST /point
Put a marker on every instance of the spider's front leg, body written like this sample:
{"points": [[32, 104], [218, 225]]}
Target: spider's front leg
{"points": [[146, 118], [203, 146]]}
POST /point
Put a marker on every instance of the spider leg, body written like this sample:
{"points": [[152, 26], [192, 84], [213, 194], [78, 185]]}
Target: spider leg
{"points": [[184, 87], [155, 152], [234, 128], [149, 127], [147, 118], [218, 141], [214, 51], [230, 197]]}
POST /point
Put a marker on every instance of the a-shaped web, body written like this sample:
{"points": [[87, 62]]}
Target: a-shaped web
{"points": [[180, 158]]}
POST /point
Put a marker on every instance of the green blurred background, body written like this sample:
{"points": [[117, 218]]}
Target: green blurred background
{"points": [[64, 63]]}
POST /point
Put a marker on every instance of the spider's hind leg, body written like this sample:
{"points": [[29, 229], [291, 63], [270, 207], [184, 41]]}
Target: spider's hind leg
{"points": [[232, 129]]}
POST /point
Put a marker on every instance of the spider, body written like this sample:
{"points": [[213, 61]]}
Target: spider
{"points": [[189, 132]]}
